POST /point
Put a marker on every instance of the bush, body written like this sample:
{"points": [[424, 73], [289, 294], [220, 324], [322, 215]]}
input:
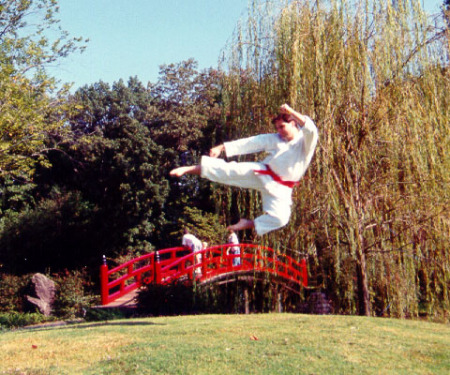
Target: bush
{"points": [[73, 294], [16, 319], [12, 291], [95, 315]]}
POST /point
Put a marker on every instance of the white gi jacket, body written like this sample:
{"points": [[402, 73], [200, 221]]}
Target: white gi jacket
{"points": [[287, 159]]}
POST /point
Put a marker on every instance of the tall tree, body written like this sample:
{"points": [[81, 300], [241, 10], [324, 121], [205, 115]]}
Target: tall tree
{"points": [[25, 106], [185, 116], [185, 102], [375, 79], [128, 167]]}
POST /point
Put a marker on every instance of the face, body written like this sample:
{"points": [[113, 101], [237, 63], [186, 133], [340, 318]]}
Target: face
{"points": [[286, 130]]}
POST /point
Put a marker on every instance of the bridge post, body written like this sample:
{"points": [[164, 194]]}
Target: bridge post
{"points": [[246, 301], [279, 302], [104, 281], [156, 269], [204, 262], [304, 272]]}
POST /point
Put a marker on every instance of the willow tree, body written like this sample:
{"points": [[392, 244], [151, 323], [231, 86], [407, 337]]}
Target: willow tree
{"points": [[372, 212]]}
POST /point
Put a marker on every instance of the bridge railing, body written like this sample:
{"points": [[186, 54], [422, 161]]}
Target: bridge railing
{"points": [[178, 263], [130, 275]]}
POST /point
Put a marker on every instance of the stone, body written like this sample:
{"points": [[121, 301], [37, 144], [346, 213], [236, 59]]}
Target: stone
{"points": [[45, 290]]}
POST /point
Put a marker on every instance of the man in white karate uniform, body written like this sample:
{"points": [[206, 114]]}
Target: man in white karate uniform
{"points": [[290, 152]]}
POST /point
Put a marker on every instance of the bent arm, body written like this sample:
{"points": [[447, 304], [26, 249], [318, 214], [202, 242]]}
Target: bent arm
{"points": [[299, 118]]}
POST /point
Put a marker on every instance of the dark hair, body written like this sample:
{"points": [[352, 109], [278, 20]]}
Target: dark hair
{"points": [[283, 117]]}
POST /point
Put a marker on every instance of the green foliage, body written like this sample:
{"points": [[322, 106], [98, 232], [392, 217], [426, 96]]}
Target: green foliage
{"points": [[12, 291], [74, 294], [103, 194], [129, 168], [16, 319], [97, 315], [204, 225], [27, 112], [185, 103], [185, 116], [53, 235], [104, 189]]}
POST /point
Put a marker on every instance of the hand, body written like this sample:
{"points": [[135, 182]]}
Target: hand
{"points": [[285, 109], [216, 151], [298, 117]]}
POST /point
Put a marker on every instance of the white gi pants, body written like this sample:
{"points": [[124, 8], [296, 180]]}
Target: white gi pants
{"points": [[276, 198]]}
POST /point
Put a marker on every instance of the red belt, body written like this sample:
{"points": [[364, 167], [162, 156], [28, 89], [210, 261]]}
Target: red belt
{"points": [[275, 177]]}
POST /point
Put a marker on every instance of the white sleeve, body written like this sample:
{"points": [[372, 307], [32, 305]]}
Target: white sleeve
{"points": [[257, 143], [310, 136]]}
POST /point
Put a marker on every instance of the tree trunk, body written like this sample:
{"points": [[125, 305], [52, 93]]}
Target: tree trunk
{"points": [[363, 284]]}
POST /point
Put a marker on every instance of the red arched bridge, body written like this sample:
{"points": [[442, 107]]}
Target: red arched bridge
{"points": [[208, 265]]}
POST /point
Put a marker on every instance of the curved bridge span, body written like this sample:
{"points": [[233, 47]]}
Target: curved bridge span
{"points": [[213, 264]]}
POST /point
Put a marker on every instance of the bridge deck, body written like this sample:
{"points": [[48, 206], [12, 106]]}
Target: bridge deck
{"points": [[128, 300]]}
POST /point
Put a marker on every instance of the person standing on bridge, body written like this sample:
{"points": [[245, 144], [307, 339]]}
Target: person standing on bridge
{"points": [[235, 250], [194, 244], [290, 152]]}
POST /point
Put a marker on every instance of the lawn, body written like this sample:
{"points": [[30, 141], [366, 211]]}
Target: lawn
{"points": [[231, 344]]}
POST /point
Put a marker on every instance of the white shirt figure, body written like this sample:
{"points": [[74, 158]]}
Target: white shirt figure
{"points": [[235, 250], [192, 242]]}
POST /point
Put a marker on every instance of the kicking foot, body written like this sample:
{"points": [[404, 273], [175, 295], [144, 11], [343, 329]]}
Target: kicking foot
{"points": [[242, 224], [180, 171]]}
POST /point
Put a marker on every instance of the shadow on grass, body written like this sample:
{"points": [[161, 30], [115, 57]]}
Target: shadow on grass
{"points": [[83, 325]]}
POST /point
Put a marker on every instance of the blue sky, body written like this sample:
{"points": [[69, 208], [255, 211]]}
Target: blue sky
{"points": [[134, 37]]}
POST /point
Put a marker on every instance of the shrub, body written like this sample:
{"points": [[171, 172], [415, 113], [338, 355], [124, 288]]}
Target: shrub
{"points": [[95, 315], [13, 290], [73, 294], [16, 319]]}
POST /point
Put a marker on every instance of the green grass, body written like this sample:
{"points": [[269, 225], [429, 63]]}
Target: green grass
{"points": [[231, 344]]}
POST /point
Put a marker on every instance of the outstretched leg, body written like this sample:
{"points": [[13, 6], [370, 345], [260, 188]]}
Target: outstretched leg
{"points": [[191, 169]]}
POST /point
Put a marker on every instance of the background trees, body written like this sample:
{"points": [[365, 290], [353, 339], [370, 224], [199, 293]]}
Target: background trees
{"points": [[104, 189]]}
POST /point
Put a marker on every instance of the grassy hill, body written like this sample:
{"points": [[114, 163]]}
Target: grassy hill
{"points": [[231, 344]]}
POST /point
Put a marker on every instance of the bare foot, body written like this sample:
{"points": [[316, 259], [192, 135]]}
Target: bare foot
{"points": [[180, 171], [242, 224]]}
